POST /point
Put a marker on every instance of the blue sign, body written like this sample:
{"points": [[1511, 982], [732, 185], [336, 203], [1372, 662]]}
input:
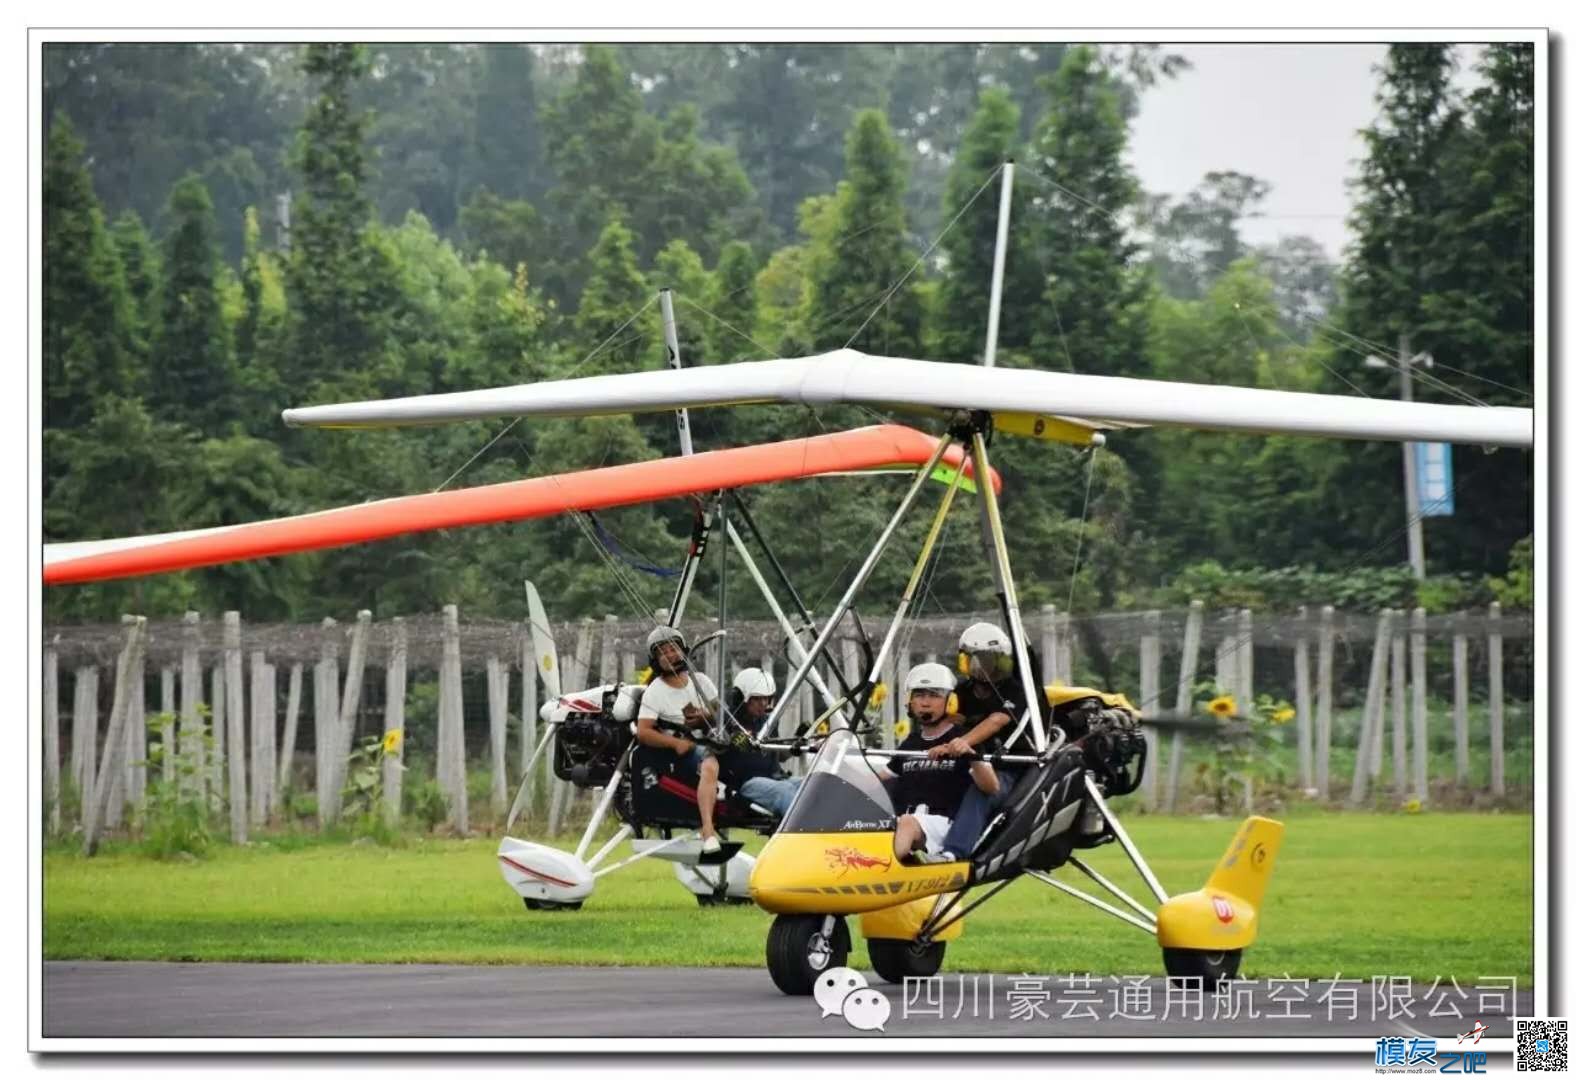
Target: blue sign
{"points": [[1436, 482]]}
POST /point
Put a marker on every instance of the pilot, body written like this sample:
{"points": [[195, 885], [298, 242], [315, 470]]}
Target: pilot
{"points": [[927, 791], [992, 700], [755, 774], [675, 701]]}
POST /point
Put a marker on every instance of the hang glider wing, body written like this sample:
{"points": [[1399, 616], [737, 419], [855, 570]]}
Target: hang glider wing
{"points": [[1018, 396], [866, 448]]}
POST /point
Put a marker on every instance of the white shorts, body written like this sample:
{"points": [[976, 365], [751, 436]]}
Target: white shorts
{"points": [[934, 826]]}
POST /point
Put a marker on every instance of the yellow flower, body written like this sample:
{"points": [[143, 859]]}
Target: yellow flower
{"points": [[900, 729], [1223, 706], [1413, 806], [878, 695], [820, 729], [392, 740], [643, 676], [1283, 716]]}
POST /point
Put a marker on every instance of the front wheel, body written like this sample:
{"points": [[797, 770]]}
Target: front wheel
{"points": [[552, 905], [800, 947], [1210, 968], [896, 960]]}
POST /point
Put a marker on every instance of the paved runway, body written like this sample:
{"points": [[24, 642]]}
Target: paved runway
{"points": [[87, 999]]}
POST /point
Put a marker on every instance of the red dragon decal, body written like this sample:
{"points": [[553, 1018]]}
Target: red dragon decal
{"points": [[847, 858]]}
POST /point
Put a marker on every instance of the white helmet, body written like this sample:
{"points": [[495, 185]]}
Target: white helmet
{"points": [[930, 677], [985, 652], [753, 682]]}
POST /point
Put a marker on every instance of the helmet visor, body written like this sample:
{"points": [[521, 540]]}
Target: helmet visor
{"points": [[989, 664]]}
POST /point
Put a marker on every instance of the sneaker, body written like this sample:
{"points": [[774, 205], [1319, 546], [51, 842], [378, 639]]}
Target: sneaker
{"points": [[926, 857], [710, 845]]}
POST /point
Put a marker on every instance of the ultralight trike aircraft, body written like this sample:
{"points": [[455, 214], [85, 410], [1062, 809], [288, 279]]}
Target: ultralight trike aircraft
{"points": [[832, 855]]}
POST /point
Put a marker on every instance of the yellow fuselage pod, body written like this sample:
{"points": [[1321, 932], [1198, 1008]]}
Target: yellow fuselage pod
{"points": [[903, 922], [843, 874], [1224, 914]]}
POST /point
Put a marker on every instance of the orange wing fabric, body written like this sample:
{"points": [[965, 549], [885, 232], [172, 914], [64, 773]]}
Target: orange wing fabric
{"points": [[592, 489]]}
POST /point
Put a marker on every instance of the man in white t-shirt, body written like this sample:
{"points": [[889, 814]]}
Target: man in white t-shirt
{"points": [[675, 701]]}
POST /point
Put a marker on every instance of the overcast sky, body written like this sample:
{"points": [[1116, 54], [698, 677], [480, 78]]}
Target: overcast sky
{"points": [[1288, 114]]}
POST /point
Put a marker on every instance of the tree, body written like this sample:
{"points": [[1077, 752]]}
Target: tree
{"points": [[860, 252], [196, 380], [139, 261], [89, 344], [508, 231], [614, 291], [963, 303], [332, 271], [734, 303], [1443, 257], [510, 156], [1196, 239], [1092, 315]]}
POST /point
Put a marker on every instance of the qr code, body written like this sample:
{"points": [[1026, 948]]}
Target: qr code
{"points": [[1540, 1046]]}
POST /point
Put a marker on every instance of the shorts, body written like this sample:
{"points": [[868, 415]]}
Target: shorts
{"points": [[934, 827], [692, 760]]}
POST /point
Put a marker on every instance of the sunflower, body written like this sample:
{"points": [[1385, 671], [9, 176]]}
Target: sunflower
{"points": [[643, 676], [1223, 706], [878, 695], [1413, 806], [392, 740], [900, 729], [1283, 716]]}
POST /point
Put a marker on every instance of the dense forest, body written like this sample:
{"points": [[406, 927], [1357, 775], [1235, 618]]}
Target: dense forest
{"points": [[230, 230]]}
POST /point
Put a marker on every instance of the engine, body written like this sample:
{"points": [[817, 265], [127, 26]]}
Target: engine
{"points": [[1113, 747], [593, 732]]}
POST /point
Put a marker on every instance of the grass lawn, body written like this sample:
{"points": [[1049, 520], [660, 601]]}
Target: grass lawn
{"points": [[1427, 895]]}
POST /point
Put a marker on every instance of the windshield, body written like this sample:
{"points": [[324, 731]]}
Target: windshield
{"points": [[841, 792]]}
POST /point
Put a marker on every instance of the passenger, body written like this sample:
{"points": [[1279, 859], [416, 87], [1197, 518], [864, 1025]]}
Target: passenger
{"points": [[675, 701], [927, 791], [992, 700], [757, 775]]}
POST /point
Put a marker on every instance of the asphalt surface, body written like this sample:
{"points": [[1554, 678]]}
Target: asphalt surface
{"points": [[108, 999]]}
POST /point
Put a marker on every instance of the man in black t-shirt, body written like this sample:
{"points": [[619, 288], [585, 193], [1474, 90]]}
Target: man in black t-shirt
{"points": [[992, 701], [927, 791]]}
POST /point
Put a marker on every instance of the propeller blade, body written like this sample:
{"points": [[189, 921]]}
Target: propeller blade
{"points": [[542, 642]]}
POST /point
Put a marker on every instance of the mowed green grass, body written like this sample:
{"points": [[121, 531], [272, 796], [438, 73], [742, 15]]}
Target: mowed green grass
{"points": [[1426, 896]]}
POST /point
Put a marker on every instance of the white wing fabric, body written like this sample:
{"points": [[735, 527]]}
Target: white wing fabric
{"points": [[854, 378]]}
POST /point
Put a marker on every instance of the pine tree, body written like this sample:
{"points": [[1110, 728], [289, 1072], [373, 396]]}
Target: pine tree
{"points": [[857, 260], [963, 302], [334, 297], [139, 260], [614, 291], [194, 382], [1091, 317], [89, 346], [734, 303]]}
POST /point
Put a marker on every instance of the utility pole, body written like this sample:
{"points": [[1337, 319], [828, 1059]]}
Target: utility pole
{"points": [[1414, 517]]}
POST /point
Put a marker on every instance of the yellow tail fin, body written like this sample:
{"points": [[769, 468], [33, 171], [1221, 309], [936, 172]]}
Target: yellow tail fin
{"points": [[1245, 868]]}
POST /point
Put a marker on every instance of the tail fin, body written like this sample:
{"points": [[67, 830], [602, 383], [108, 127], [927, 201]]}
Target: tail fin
{"points": [[1244, 870]]}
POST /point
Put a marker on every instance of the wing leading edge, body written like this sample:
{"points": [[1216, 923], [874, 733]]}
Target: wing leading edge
{"points": [[517, 500]]}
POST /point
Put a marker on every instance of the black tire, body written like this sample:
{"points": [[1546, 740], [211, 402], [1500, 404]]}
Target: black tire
{"points": [[726, 899], [895, 960], [553, 905], [797, 952], [1210, 968]]}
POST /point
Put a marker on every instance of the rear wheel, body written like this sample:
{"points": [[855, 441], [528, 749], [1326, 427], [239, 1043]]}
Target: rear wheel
{"points": [[799, 947], [552, 905], [896, 960], [1210, 968]]}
